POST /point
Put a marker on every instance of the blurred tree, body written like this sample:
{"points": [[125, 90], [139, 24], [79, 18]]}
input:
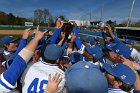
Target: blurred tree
{"points": [[11, 19], [38, 15], [43, 17], [137, 24], [3, 18]]}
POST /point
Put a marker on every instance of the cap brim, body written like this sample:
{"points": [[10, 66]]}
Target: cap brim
{"points": [[13, 40], [110, 47], [109, 69]]}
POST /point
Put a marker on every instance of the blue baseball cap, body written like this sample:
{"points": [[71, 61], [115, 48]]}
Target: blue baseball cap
{"points": [[129, 41], [126, 74], [85, 77], [97, 38], [120, 49], [8, 39], [53, 52], [75, 57], [89, 39], [95, 51]]}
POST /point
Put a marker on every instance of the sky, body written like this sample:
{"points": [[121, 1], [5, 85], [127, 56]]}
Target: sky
{"points": [[75, 9]]}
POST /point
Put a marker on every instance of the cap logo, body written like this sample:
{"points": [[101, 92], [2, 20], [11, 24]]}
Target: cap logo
{"points": [[86, 66], [114, 65], [117, 50], [109, 45], [123, 77], [94, 55], [92, 46]]}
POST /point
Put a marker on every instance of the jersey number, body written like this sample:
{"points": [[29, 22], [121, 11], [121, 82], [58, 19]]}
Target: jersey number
{"points": [[33, 86]]}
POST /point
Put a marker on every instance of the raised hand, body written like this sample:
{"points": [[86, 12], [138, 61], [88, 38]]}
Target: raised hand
{"points": [[73, 23], [58, 24], [73, 37], [39, 34], [26, 33], [63, 35], [108, 27], [53, 83], [127, 62]]}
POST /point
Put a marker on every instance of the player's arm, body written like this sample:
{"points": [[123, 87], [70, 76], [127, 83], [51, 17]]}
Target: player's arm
{"points": [[22, 44], [110, 31], [62, 39], [23, 41], [9, 77], [78, 42], [136, 66], [56, 33], [114, 38]]}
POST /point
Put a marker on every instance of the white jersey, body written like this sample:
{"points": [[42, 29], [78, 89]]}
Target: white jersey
{"points": [[117, 90], [35, 77], [6, 52], [135, 55]]}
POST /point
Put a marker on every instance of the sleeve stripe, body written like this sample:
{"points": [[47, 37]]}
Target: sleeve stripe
{"points": [[81, 50], [7, 85]]}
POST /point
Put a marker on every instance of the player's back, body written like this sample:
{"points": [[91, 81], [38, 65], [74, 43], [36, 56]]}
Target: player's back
{"points": [[35, 77]]}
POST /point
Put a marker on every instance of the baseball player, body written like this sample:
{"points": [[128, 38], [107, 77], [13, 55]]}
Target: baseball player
{"points": [[10, 44], [119, 81], [21, 45], [35, 77], [131, 52], [9, 77]]}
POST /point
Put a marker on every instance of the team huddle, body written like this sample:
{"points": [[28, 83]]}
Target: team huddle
{"points": [[63, 62]]}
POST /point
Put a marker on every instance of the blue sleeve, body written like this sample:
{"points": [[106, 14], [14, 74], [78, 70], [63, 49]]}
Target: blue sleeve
{"points": [[22, 44], [136, 91], [104, 35], [116, 40], [14, 71], [55, 35], [76, 30], [77, 41]]}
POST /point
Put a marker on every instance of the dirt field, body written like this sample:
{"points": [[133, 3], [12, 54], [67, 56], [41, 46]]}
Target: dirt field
{"points": [[11, 32]]}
